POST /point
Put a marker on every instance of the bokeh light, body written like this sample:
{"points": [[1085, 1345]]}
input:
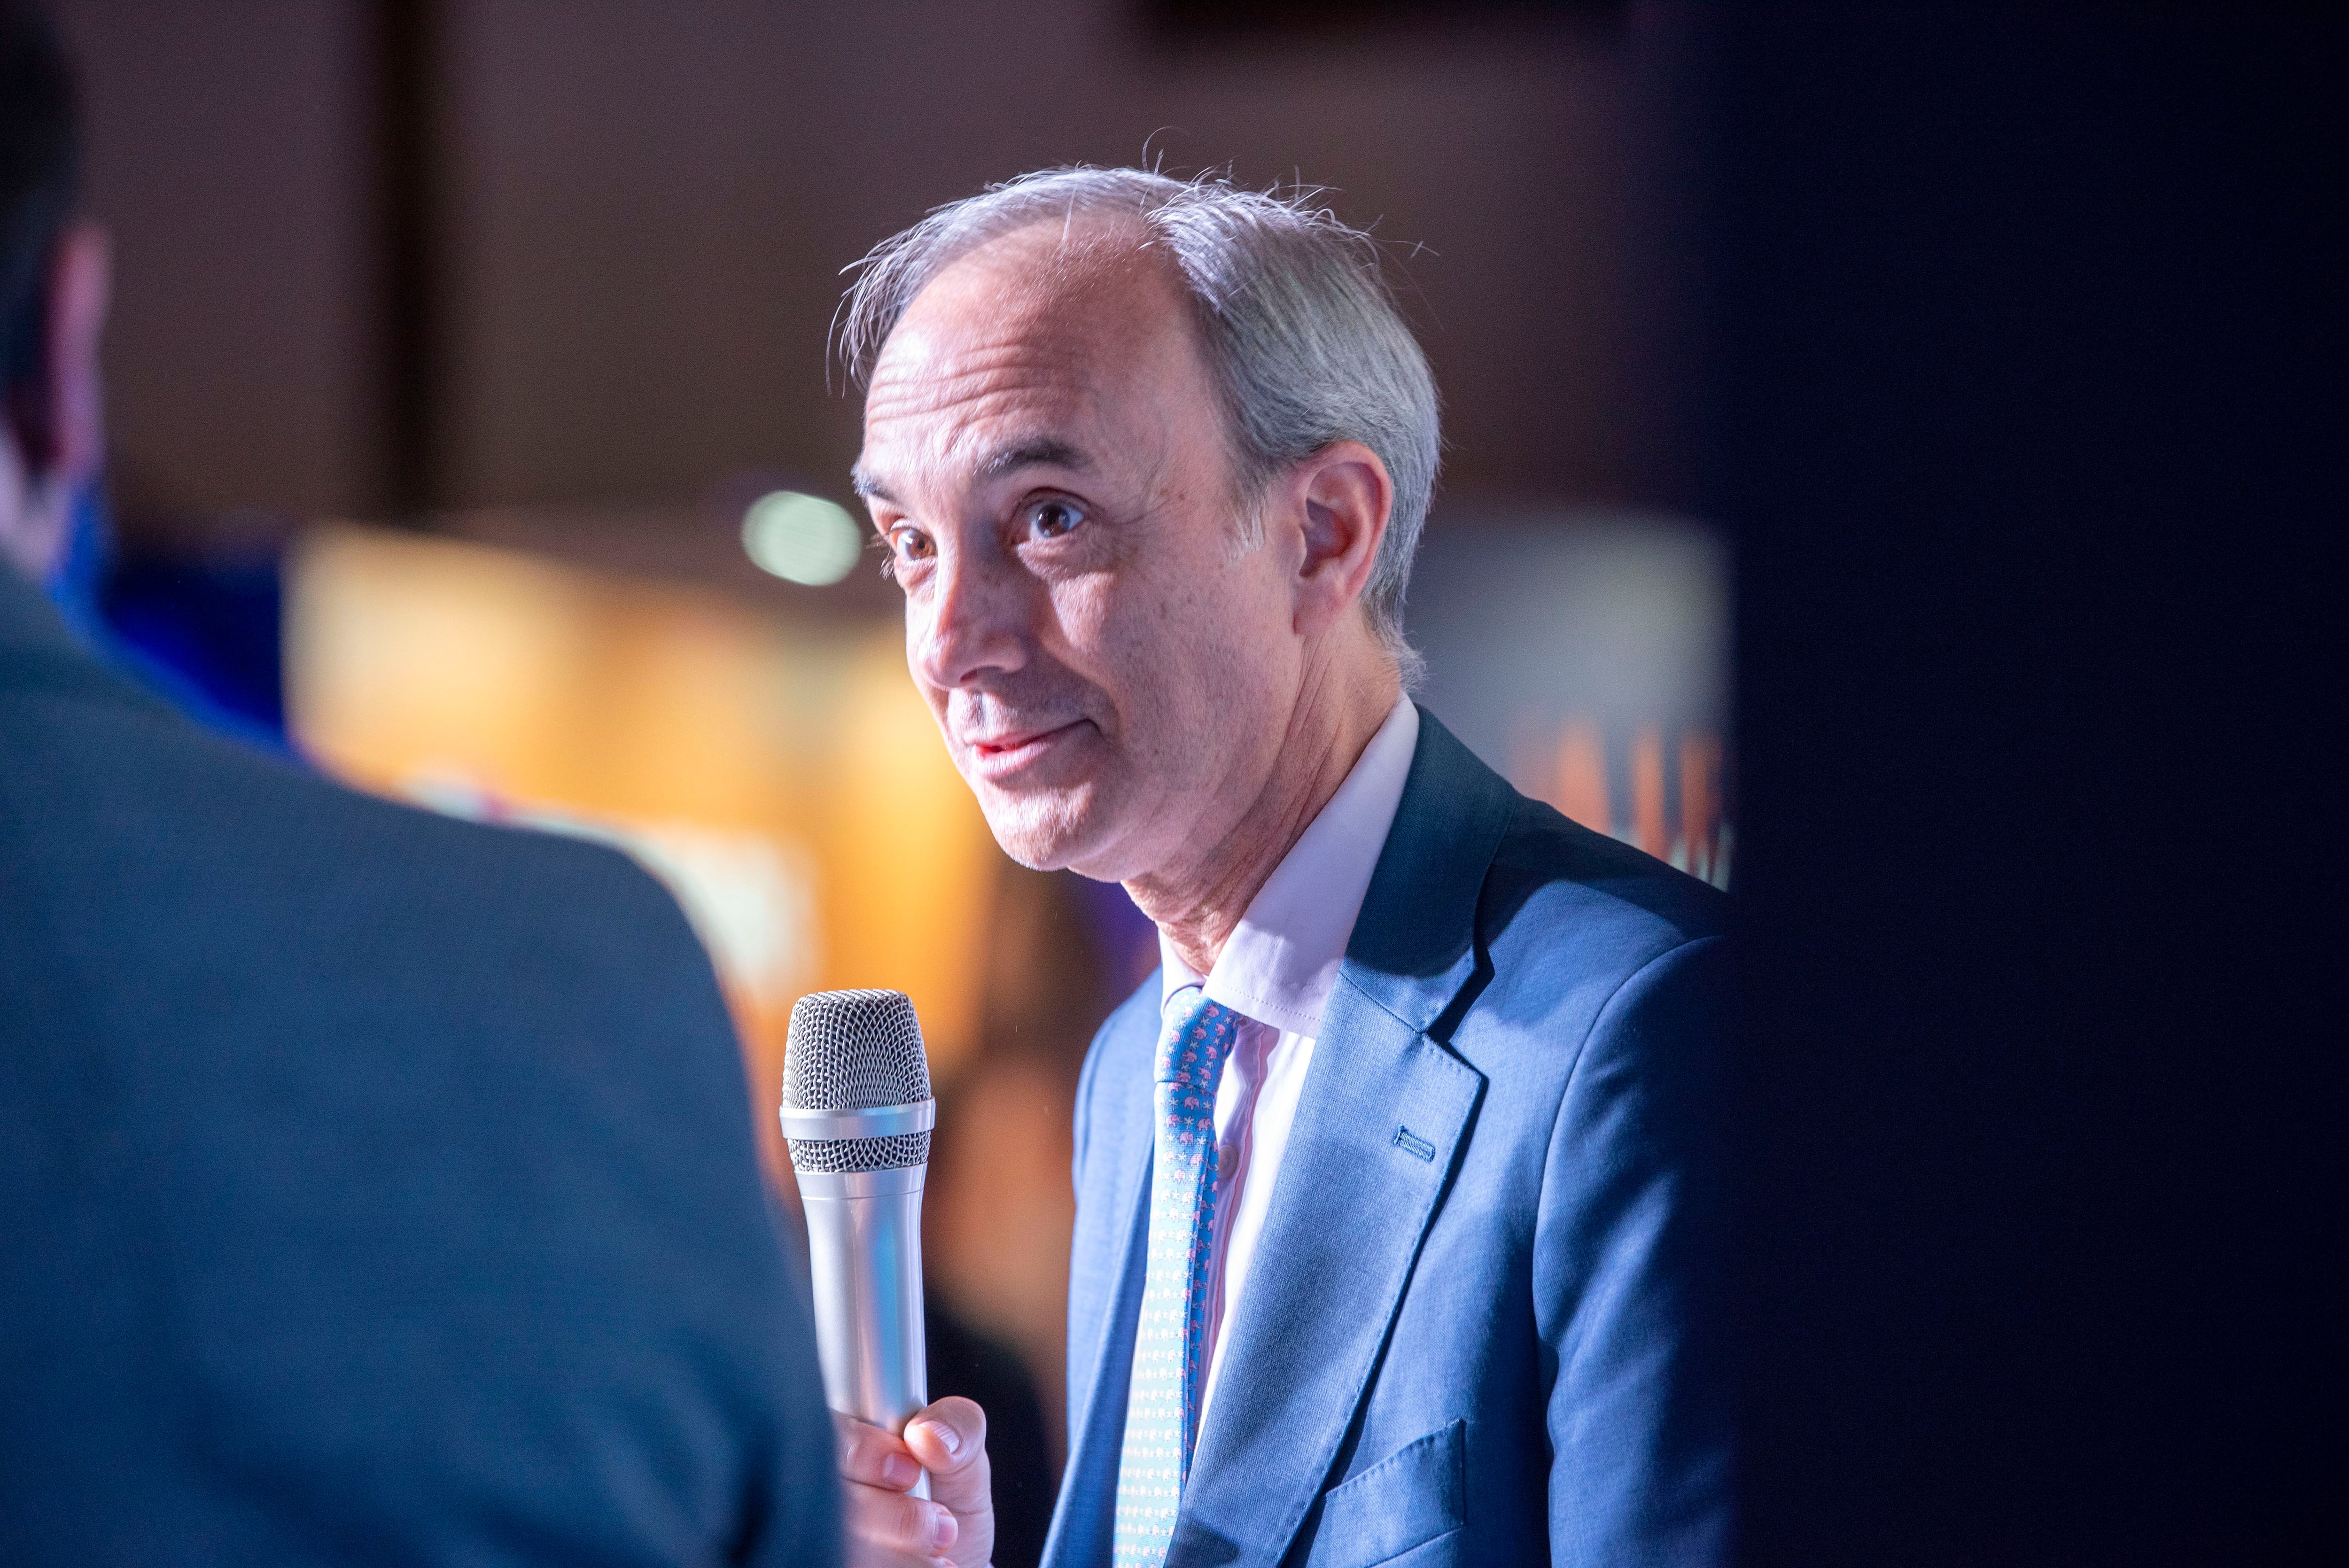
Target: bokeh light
{"points": [[801, 538]]}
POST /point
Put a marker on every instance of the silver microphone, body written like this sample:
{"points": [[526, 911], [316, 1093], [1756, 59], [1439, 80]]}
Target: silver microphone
{"points": [[857, 1113]]}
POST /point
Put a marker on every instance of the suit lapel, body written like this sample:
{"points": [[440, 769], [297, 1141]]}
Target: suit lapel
{"points": [[1106, 1266], [1385, 1113]]}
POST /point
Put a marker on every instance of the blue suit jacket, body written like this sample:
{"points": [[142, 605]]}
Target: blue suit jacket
{"points": [[374, 1188], [1482, 1323]]}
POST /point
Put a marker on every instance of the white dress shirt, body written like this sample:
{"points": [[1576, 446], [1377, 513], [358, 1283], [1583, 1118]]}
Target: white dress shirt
{"points": [[1276, 970]]}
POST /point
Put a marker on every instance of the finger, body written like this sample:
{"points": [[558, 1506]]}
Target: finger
{"points": [[949, 1438], [869, 1455], [892, 1521]]}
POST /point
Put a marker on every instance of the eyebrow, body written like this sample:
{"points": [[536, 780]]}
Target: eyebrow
{"points": [[1042, 452], [1039, 452]]}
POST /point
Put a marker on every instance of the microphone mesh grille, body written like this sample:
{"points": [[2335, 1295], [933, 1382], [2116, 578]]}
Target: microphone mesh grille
{"points": [[852, 1050]]}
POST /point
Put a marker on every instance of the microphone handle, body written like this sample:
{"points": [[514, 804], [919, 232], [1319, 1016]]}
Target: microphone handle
{"points": [[865, 1259]]}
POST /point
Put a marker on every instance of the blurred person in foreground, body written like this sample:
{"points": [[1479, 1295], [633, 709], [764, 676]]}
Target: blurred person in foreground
{"points": [[378, 1188], [1398, 1230]]}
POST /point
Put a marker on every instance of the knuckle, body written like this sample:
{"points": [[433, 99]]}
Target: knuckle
{"points": [[895, 1519], [862, 1457]]}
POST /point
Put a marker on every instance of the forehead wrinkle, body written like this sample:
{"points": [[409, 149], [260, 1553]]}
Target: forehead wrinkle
{"points": [[984, 434], [921, 395], [1007, 346], [982, 420], [1005, 309], [930, 371]]}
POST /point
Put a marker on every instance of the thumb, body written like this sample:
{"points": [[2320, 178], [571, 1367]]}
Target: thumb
{"points": [[950, 1439]]}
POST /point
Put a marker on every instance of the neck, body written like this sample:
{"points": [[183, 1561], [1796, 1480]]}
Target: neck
{"points": [[1198, 904]]}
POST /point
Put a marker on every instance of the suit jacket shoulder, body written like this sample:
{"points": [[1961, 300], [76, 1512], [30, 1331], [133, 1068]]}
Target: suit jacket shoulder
{"points": [[383, 1185], [1595, 1013], [1560, 872], [1568, 916]]}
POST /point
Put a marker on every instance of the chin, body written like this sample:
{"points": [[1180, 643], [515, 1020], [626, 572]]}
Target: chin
{"points": [[1044, 830]]}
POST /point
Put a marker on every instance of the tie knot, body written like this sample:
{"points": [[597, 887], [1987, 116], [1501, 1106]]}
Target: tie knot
{"points": [[1197, 1036]]}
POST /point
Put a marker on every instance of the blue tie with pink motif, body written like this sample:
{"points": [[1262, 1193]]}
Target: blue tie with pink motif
{"points": [[1162, 1403]]}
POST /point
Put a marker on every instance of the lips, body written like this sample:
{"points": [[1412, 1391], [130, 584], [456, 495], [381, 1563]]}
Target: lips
{"points": [[1008, 751]]}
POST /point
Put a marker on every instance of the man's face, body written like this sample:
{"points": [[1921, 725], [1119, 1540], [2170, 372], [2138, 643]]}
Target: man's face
{"points": [[1046, 460]]}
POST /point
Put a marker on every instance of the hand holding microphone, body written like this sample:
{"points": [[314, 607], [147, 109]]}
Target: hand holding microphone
{"points": [[857, 1113], [886, 1523]]}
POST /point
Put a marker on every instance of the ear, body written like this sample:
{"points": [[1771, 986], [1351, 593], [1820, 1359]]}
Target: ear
{"points": [[55, 429], [1345, 497], [81, 284]]}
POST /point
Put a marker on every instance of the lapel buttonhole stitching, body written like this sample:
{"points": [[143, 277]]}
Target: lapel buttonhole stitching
{"points": [[1414, 1144]]}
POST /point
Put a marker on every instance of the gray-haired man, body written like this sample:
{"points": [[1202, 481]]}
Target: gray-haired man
{"points": [[1397, 1224]]}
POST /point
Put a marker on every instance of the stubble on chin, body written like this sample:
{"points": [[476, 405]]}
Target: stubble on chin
{"points": [[1048, 830]]}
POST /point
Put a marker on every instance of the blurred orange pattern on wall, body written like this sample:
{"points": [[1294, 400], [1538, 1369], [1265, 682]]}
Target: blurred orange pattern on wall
{"points": [[1566, 765], [783, 780]]}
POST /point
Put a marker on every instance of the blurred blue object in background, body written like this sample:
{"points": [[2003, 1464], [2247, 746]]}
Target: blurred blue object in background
{"points": [[204, 635]]}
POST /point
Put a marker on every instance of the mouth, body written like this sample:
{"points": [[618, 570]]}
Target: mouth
{"points": [[998, 756]]}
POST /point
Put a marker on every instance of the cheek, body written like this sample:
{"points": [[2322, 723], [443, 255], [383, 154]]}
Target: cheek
{"points": [[1186, 649], [1183, 678], [917, 641], [917, 635], [1100, 634]]}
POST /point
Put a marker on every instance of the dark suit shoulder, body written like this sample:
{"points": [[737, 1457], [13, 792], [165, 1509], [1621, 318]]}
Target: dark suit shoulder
{"points": [[425, 1142], [121, 805]]}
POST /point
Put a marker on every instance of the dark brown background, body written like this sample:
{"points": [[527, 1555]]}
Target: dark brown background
{"points": [[593, 247]]}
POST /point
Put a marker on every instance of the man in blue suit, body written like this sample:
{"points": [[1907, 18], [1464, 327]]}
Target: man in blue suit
{"points": [[376, 1188], [1398, 1224]]}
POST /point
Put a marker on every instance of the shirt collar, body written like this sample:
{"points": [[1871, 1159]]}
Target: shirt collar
{"points": [[1280, 963]]}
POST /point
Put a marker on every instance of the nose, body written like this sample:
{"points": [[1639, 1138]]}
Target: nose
{"points": [[973, 624]]}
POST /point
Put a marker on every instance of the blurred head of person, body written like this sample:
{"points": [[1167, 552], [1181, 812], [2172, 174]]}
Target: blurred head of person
{"points": [[1150, 459], [53, 290]]}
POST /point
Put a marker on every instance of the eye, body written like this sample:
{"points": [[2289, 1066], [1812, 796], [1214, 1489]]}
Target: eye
{"points": [[908, 545], [1052, 519]]}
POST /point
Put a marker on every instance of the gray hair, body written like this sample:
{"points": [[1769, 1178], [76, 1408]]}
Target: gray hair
{"points": [[1297, 326]]}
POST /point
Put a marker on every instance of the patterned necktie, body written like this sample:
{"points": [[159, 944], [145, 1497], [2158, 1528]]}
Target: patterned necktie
{"points": [[1162, 1405]]}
